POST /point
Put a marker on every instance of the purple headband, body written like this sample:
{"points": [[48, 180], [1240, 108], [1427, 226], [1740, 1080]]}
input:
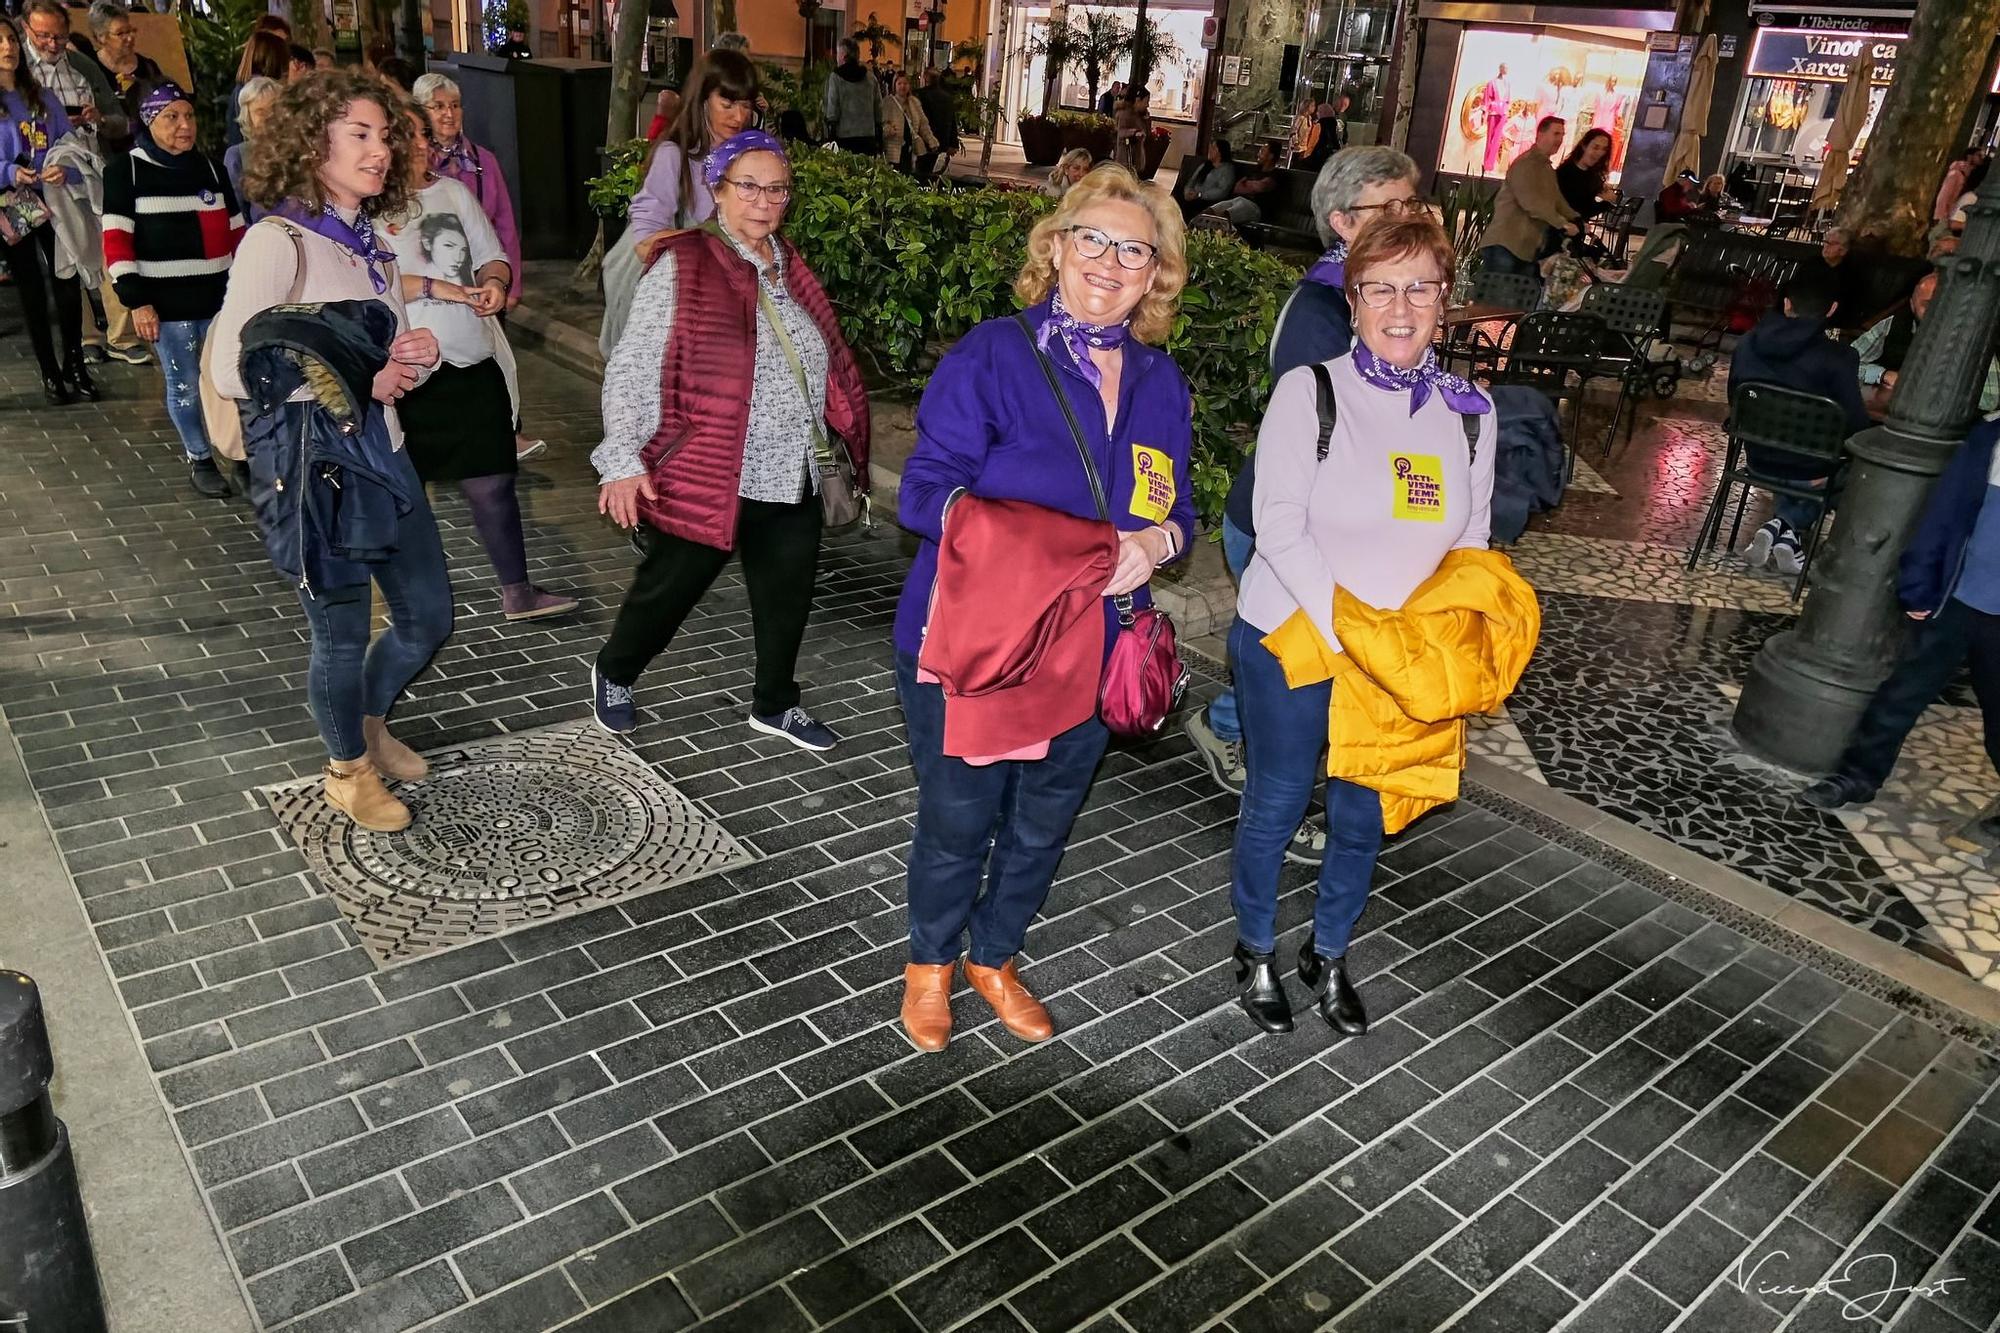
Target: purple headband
{"points": [[736, 145], [158, 100]]}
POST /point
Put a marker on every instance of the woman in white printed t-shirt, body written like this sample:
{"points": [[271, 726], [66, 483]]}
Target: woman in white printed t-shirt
{"points": [[460, 422]]}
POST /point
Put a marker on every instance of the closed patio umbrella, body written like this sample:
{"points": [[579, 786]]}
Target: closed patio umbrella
{"points": [[1847, 126], [1686, 154]]}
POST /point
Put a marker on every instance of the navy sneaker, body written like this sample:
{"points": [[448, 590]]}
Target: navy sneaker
{"points": [[797, 726], [613, 705]]}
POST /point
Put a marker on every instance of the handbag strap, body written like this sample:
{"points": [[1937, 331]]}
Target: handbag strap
{"points": [[822, 449]]}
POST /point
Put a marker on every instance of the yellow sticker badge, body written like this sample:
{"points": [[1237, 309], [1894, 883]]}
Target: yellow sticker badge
{"points": [[1419, 487], [1152, 483]]}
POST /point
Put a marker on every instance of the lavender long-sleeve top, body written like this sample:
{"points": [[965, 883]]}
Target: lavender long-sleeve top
{"points": [[657, 207], [489, 187]]}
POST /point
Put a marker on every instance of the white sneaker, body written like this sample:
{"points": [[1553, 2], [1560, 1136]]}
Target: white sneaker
{"points": [[1786, 557], [1758, 553]]}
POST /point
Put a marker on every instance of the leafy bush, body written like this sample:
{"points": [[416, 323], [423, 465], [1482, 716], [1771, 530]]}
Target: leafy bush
{"points": [[1082, 120], [611, 194], [214, 43]]}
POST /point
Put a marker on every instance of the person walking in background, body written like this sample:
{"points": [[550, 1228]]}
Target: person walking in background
{"points": [[254, 101], [1496, 100], [334, 160], [1529, 204], [460, 422], [1107, 101], [717, 399], [171, 226], [941, 110], [1102, 283], [32, 120], [907, 140], [851, 109], [131, 74], [303, 63]]}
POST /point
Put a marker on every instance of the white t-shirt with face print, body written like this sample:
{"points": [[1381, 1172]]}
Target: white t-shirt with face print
{"points": [[447, 237]]}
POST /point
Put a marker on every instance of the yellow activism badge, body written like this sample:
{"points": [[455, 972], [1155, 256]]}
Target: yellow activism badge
{"points": [[1419, 487], [1152, 483]]}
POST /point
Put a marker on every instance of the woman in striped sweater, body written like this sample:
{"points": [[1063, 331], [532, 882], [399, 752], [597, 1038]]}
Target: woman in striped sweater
{"points": [[171, 225]]}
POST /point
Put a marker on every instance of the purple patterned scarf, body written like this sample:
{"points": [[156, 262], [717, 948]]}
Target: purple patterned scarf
{"points": [[358, 239], [1458, 393], [458, 160], [1079, 337], [1331, 268]]}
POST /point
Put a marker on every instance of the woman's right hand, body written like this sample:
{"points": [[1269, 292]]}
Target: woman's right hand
{"points": [[652, 244], [392, 381], [620, 499], [26, 176], [146, 323]]}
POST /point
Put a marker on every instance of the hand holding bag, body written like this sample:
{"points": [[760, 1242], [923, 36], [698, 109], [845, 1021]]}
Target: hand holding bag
{"points": [[1145, 678]]}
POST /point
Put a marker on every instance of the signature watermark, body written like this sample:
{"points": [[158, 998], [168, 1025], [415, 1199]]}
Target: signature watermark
{"points": [[1865, 1284]]}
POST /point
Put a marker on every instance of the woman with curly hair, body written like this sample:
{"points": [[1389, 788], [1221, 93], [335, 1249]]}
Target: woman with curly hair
{"points": [[333, 158], [1006, 419]]}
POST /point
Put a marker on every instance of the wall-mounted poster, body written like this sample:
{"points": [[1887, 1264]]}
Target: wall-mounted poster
{"points": [[1232, 70], [1508, 79]]}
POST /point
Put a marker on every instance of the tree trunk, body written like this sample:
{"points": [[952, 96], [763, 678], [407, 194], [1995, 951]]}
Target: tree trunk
{"points": [[410, 31], [307, 23], [996, 61], [628, 46], [1937, 74], [1142, 51], [725, 17], [1052, 68]]}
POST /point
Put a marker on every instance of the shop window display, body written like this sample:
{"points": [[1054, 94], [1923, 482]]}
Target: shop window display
{"points": [[1795, 85], [1508, 79]]}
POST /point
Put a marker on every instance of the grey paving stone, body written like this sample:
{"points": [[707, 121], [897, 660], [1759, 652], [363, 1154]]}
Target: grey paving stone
{"points": [[437, 1230], [856, 1274], [531, 1307], [291, 1291], [382, 1150]]}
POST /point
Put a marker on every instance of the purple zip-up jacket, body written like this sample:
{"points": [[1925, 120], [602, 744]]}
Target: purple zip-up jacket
{"points": [[989, 426], [25, 138], [489, 187]]}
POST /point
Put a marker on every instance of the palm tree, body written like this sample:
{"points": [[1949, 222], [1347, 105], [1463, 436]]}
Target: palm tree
{"points": [[877, 34], [1151, 45], [1049, 43], [1096, 41]]}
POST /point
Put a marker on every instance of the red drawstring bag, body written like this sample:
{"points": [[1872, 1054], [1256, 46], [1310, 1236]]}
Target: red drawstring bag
{"points": [[1145, 679]]}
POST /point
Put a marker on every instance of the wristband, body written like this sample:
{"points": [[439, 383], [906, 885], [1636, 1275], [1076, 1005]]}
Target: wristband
{"points": [[427, 289]]}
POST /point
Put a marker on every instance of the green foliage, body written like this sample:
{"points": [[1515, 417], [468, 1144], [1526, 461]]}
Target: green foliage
{"points": [[1082, 120], [611, 194], [214, 43], [497, 18], [1467, 207], [794, 90]]}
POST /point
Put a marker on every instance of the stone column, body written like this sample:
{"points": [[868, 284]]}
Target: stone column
{"points": [[1809, 685]]}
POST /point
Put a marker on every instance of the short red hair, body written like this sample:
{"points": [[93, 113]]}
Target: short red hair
{"points": [[1401, 238]]}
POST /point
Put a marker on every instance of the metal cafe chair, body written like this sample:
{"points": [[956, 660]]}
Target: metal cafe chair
{"points": [[1553, 350], [1471, 343], [1632, 318], [1799, 427]]}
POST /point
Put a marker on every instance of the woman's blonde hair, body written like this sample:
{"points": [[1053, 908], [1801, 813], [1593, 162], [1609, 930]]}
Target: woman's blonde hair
{"points": [[283, 161], [1153, 319]]}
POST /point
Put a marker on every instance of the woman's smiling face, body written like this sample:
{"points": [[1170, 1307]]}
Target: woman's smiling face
{"points": [[358, 154]]}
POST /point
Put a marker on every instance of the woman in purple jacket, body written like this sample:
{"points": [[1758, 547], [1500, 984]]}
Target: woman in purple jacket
{"points": [[1102, 282], [30, 123]]}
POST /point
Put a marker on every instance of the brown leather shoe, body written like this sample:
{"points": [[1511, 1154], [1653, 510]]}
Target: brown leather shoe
{"points": [[392, 759], [1020, 1013], [927, 1004]]}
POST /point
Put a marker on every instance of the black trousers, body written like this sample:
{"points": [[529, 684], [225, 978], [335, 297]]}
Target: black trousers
{"points": [[33, 265], [779, 545], [1932, 654]]}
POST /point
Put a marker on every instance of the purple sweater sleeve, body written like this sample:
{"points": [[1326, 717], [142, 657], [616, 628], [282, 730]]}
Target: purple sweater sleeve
{"points": [[659, 199], [499, 206], [956, 426]]}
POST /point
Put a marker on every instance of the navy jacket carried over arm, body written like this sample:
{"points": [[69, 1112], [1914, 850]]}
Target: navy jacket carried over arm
{"points": [[1930, 565]]}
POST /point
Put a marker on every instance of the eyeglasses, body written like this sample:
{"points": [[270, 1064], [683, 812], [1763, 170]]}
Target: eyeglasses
{"points": [[1412, 207], [1380, 295], [749, 191], [1092, 243]]}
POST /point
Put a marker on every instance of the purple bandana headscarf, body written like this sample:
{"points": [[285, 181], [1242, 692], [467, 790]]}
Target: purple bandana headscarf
{"points": [[1079, 337], [736, 145], [1458, 393], [357, 239], [158, 100], [1331, 267]]}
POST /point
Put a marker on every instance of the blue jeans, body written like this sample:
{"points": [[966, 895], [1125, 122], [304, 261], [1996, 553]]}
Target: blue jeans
{"points": [[1236, 548], [999, 826], [1284, 735], [180, 361], [1499, 259], [349, 677]]}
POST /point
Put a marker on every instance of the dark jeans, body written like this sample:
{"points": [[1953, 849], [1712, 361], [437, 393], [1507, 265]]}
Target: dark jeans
{"points": [[1795, 513], [33, 264], [1001, 827], [1237, 546], [349, 676], [779, 544], [1499, 259], [1932, 654], [1284, 735]]}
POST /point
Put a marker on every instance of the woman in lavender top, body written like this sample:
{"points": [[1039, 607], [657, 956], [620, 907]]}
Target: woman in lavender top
{"points": [[1102, 284], [1357, 518]]}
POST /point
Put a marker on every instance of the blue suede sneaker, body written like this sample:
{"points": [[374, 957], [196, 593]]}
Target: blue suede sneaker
{"points": [[797, 726], [616, 712]]}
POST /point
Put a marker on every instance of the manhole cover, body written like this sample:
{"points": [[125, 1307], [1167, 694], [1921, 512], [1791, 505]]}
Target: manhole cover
{"points": [[508, 832]]}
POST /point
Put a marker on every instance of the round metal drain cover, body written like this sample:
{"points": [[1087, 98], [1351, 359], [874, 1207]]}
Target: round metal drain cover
{"points": [[507, 832]]}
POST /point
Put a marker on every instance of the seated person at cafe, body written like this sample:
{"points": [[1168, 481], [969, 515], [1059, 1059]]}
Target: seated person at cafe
{"points": [[1691, 205], [1789, 347], [1211, 182], [1883, 347], [1251, 197]]}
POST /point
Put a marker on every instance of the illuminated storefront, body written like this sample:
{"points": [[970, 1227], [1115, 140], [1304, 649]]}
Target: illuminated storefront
{"points": [[1508, 78], [1794, 77]]}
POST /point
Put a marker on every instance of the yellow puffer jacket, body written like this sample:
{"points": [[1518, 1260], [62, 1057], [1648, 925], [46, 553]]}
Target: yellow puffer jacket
{"points": [[1407, 679]]}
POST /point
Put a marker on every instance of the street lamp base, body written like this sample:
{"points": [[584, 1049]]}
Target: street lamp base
{"points": [[1793, 718]]}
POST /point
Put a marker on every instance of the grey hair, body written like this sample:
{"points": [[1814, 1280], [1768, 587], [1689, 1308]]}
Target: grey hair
{"points": [[730, 41], [249, 95], [1841, 232], [1347, 173], [428, 86], [104, 11]]}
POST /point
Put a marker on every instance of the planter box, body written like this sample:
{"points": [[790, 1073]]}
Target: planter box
{"points": [[1156, 152], [1100, 141], [1041, 141]]}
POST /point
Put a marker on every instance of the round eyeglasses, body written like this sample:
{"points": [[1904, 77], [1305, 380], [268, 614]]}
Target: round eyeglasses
{"points": [[1092, 243], [1411, 207], [1380, 295], [749, 191]]}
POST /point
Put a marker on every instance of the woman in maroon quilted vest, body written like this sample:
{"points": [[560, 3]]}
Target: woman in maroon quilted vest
{"points": [[730, 357]]}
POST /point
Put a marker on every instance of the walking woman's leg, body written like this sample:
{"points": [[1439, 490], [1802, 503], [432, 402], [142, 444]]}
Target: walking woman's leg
{"points": [[669, 581], [1033, 834], [180, 365], [68, 294], [417, 589], [338, 618], [779, 544], [24, 264], [496, 513]]}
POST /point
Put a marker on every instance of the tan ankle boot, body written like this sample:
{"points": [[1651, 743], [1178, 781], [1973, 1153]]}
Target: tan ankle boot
{"points": [[392, 759], [355, 789]]}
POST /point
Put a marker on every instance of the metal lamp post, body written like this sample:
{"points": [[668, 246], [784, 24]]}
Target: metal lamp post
{"points": [[1810, 684]]}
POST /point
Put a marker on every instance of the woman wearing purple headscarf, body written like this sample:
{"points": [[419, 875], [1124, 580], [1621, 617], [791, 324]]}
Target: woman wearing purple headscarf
{"points": [[1404, 476]]}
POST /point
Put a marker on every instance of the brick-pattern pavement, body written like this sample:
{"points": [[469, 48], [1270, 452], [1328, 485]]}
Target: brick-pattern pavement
{"points": [[1583, 1106]]}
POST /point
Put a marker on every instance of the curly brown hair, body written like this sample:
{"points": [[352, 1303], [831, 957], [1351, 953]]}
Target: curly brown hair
{"points": [[285, 157]]}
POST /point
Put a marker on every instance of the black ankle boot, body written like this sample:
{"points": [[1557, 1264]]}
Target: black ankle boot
{"points": [[1337, 1000], [1263, 995], [80, 381], [56, 388]]}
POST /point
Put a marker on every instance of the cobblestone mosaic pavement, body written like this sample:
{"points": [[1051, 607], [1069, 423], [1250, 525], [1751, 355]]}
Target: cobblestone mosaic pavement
{"points": [[1584, 1106]]}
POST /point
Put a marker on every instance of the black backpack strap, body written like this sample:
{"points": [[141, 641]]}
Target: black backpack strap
{"points": [[1470, 421], [1328, 413]]}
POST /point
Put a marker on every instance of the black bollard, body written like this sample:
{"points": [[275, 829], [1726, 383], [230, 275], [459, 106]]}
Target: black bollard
{"points": [[48, 1276]]}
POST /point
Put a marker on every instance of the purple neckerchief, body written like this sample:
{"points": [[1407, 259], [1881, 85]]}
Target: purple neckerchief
{"points": [[1458, 394], [458, 159], [357, 239], [1331, 268], [1080, 337]]}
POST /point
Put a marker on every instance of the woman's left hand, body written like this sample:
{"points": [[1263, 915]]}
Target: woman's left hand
{"points": [[488, 298], [1139, 554], [415, 347]]}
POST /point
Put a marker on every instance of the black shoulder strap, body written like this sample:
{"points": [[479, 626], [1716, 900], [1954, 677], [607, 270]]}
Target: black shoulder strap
{"points": [[1470, 422], [1069, 415], [1328, 413]]}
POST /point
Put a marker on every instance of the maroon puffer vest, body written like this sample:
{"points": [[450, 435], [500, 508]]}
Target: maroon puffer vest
{"points": [[695, 458]]}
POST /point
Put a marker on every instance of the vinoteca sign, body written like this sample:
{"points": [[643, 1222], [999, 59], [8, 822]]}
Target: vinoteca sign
{"points": [[1823, 57]]}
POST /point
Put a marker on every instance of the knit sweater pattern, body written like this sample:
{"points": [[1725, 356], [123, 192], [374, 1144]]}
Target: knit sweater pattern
{"points": [[171, 224]]}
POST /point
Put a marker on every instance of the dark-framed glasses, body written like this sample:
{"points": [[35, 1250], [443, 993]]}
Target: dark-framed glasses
{"points": [[1380, 295], [1411, 207], [748, 191], [1092, 243]]}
